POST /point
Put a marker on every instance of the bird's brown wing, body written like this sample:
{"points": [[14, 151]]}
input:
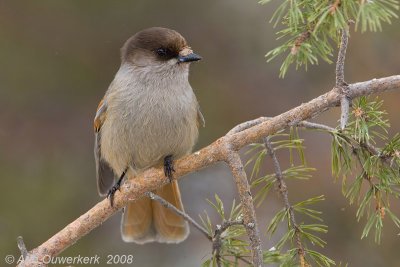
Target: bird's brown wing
{"points": [[104, 174]]}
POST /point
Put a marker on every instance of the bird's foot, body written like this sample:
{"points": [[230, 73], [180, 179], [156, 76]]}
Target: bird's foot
{"points": [[117, 186], [169, 167]]}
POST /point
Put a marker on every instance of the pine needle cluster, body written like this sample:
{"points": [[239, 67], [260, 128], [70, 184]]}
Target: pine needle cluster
{"points": [[310, 29]]}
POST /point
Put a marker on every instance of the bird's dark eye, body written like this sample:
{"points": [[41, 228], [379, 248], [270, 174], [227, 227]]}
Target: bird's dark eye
{"points": [[162, 52]]}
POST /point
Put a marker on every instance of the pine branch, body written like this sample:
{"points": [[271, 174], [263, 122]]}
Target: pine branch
{"points": [[181, 213], [217, 239], [283, 190], [302, 38], [219, 151], [309, 28], [372, 150]]}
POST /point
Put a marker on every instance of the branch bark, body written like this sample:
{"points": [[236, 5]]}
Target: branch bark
{"points": [[249, 213], [340, 83], [218, 151]]}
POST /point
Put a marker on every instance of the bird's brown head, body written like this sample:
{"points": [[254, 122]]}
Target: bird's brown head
{"points": [[157, 46]]}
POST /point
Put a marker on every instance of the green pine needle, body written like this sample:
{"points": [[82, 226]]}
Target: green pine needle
{"points": [[311, 28]]}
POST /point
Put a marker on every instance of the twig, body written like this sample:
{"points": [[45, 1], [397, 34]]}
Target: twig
{"points": [[304, 36], [340, 83], [154, 178], [364, 173], [315, 126], [341, 57], [246, 125], [285, 195], [22, 247], [372, 150], [239, 257], [180, 213], [305, 124], [249, 214], [217, 239], [334, 7]]}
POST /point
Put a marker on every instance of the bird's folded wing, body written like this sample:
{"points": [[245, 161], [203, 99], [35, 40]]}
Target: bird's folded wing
{"points": [[104, 174]]}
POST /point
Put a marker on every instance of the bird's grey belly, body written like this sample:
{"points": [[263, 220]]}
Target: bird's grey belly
{"points": [[142, 140], [155, 140]]}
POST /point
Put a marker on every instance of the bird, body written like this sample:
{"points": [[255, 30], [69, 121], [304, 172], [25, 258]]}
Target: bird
{"points": [[148, 117]]}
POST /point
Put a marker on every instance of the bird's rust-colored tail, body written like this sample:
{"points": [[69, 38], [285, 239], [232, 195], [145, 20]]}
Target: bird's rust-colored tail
{"points": [[147, 220]]}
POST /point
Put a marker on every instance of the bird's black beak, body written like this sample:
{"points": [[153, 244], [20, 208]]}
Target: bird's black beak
{"points": [[189, 58]]}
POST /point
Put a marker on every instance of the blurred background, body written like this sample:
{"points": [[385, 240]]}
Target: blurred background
{"points": [[57, 59]]}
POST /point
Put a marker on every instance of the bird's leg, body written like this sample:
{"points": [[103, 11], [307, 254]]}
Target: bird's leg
{"points": [[116, 187], [168, 167]]}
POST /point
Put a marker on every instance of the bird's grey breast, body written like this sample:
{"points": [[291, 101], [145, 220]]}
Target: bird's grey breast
{"points": [[150, 121]]}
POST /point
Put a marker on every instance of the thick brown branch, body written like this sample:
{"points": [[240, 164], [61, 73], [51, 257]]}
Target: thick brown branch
{"points": [[154, 178], [310, 109], [249, 214]]}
